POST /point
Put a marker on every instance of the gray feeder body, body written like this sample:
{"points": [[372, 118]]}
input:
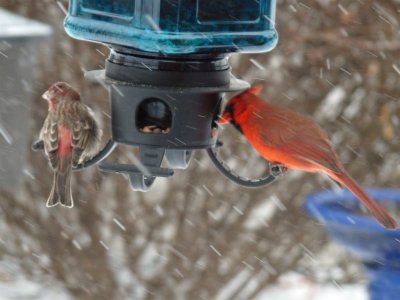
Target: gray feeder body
{"points": [[178, 95], [19, 39]]}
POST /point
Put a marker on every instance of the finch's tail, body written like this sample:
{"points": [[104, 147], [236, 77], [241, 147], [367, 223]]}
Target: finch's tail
{"points": [[376, 209], [61, 190]]}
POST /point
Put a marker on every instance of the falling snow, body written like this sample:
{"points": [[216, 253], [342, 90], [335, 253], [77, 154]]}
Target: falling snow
{"points": [[196, 235]]}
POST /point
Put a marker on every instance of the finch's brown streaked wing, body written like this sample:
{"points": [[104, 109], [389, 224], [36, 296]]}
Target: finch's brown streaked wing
{"points": [[49, 136], [85, 138]]}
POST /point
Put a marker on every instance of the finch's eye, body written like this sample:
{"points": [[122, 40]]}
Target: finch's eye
{"points": [[60, 86]]}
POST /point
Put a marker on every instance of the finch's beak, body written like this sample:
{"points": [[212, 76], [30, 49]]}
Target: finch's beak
{"points": [[46, 96]]}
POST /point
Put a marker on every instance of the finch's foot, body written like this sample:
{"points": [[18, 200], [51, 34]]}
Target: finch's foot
{"points": [[276, 169]]}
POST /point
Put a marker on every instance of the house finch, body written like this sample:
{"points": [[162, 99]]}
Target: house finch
{"points": [[70, 136], [293, 141]]}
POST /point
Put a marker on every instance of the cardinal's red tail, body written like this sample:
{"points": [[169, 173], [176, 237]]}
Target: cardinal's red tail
{"points": [[376, 209]]}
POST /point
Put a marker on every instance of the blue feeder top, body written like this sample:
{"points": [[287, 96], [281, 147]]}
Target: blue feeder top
{"points": [[15, 26], [176, 26]]}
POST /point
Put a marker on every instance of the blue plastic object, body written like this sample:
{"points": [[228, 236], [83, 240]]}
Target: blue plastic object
{"points": [[363, 236], [176, 26]]}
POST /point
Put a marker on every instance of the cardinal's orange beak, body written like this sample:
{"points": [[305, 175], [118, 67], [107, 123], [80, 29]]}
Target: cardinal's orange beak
{"points": [[255, 89], [225, 118]]}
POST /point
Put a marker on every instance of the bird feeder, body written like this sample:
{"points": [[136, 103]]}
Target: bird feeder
{"points": [[167, 71]]}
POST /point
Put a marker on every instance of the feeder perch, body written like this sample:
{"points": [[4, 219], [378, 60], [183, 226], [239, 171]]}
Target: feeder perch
{"points": [[167, 72]]}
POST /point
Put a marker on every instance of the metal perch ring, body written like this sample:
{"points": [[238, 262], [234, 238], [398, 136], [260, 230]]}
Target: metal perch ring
{"points": [[227, 172]]}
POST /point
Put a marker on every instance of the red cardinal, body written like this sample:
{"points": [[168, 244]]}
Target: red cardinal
{"points": [[294, 141], [70, 135]]}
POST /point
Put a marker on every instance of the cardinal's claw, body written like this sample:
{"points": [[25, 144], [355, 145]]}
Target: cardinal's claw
{"points": [[276, 169]]}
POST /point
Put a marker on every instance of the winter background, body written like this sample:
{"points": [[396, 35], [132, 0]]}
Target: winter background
{"points": [[197, 235]]}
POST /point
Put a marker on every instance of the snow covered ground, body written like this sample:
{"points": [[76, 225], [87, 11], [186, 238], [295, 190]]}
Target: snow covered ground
{"points": [[23, 289], [324, 292], [289, 287], [296, 287], [14, 285]]}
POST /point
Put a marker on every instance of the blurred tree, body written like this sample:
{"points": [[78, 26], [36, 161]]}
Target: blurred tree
{"points": [[198, 236]]}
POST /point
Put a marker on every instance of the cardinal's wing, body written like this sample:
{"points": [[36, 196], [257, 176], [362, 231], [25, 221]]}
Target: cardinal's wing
{"points": [[299, 137]]}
